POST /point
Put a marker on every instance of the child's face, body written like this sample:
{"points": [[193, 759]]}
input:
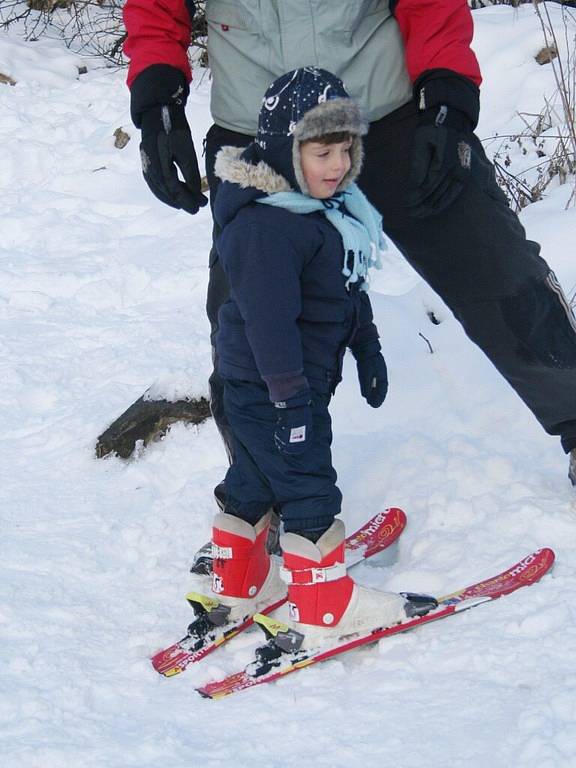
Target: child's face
{"points": [[324, 166]]}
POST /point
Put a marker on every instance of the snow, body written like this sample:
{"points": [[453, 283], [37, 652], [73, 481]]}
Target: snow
{"points": [[102, 291]]}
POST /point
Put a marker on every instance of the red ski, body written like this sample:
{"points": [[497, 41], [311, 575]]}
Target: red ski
{"points": [[206, 633], [272, 662]]}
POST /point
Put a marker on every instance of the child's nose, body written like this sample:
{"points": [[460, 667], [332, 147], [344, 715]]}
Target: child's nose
{"points": [[338, 163]]}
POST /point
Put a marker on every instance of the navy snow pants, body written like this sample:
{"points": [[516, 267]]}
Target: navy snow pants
{"points": [[476, 256], [303, 487]]}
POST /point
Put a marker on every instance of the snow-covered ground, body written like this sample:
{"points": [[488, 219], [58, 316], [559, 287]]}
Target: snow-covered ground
{"points": [[102, 293]]}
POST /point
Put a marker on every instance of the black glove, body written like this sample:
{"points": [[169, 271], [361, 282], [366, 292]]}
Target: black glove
{"points": [[158, 97], [441, 155], [372, 373], [293, 432]]}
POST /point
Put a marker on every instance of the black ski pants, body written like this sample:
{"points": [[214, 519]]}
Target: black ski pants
{"points": [[476, 256]]}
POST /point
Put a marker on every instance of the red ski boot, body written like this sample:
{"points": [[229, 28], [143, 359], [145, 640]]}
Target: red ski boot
{"points": [[244, 578], [245, 581], [323, 601]]}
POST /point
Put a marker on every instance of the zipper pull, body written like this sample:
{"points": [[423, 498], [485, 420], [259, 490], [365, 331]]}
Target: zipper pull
{"points": [[441, 116]]}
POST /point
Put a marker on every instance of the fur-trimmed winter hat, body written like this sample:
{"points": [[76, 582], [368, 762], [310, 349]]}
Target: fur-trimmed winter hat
{"points": [[303, 105]]}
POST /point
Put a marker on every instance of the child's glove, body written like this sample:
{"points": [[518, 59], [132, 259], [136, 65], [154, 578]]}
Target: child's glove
{"points": [[372, 373], [157, 104], [293, 432]]}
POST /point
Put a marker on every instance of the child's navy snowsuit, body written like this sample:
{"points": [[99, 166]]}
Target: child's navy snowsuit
{"points": [[290, 317], [287, 323]]}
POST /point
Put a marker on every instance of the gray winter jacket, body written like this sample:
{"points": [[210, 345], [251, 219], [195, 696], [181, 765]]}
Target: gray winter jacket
{"points": [[252, 42]]}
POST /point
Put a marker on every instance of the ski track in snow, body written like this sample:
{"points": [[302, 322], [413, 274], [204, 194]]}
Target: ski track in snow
{"points": [[101, 294]]}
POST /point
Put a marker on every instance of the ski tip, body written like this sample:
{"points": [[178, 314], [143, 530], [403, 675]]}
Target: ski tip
{"points": [[524, 573], [167, 671], [398, 517], [222, 688], [395, 515], [379, 532], [173, 660], [550, 557], [165, 664], [215, 695], [548, 554], [171, 672], [535, 565]]}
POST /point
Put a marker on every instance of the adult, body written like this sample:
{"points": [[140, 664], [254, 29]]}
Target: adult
{"points": [[410, 65]]}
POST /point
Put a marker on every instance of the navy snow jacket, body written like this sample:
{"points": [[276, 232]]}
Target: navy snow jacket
{"points": [[289, 317]]}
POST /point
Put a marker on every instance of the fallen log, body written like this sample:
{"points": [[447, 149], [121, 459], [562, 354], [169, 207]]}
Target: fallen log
{"points": [[147, 421]]}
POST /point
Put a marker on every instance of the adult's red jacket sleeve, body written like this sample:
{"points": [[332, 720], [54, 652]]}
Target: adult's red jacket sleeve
{"points": [[437, 35], [158, 33]]}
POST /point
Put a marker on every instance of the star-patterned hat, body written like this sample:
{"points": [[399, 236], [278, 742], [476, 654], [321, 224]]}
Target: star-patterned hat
{"points": [[301, 105]]}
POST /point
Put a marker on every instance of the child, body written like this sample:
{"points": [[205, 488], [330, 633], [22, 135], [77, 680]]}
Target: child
{"points": [[297, 240]]}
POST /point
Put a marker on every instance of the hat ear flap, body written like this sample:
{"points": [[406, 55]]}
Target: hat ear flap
{"points": [[297, 166], [356, 160]]}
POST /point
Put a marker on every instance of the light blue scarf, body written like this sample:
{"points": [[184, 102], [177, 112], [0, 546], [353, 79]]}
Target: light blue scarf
{"points": [[357, 221]]}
